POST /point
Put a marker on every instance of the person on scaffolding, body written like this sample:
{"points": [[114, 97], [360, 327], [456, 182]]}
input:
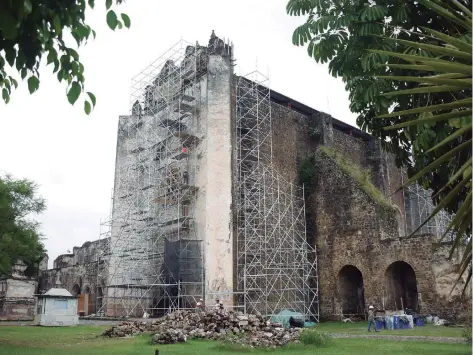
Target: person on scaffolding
{"points": [[371, 319]]}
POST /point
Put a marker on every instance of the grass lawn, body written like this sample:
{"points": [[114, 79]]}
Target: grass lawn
{"points": [[83, 340], [362, 328]]}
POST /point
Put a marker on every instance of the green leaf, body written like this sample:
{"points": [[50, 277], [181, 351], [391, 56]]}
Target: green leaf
{"points": [[10, 55], [424, 90], [436, 163], [73, 53], [20, 59], [411, 67], [447, 14], [76, 37], [126, 20], [92, 98], [112, 20], [8, 24], [455, 42], [458, 173], [108, 4], [87, 107], [91, 3], [463, 8], [23, 73], [33, 84], [430, 119], [463, 83], [5, 96], [451, 137], [456, 220], [57, 24], [52, 55], [74, 92], [83, 31], [28, 7], [433, 48], [437, 64], [56, 66], [14, 82], [452, 105]]}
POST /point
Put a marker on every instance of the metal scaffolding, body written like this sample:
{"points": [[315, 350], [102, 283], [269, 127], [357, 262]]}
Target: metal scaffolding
{"points": [[419, 206], [276, 266], [156, 263]]}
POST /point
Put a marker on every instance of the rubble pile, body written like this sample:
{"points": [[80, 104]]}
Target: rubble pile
{"points": [[234, 327], [126, 329]]}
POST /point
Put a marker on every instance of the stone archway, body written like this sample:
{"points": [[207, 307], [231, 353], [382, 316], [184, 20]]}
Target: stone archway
{"points": [[351, 290], [75, 290], [401, 284], [90, 301]]}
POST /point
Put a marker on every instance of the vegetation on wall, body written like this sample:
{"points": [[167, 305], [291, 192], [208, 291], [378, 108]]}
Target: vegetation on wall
{"points": [[308, 170], [30, 30]]}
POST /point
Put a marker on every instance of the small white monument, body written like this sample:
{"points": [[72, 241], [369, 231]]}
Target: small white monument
{"points": [[57, 307]]}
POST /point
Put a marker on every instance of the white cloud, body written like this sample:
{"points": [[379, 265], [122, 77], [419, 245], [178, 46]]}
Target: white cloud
{"points": [[72, 156]]}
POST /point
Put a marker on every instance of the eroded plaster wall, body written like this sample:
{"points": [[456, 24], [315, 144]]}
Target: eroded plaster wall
{"points": [[218, 231]]}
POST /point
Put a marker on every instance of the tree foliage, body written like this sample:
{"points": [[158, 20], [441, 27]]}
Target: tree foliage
{"points": [[403, 61], [32, 29], [19, 234], [449, 71]]}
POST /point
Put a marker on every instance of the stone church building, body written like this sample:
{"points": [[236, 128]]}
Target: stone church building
{"points": [[203, 161]]}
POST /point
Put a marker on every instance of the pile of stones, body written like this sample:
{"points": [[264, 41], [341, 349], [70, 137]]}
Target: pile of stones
{"points": [[126, 329], [234, 327]]}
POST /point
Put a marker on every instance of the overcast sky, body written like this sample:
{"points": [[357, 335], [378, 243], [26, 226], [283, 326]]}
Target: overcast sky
{"points": [[72, 156]]}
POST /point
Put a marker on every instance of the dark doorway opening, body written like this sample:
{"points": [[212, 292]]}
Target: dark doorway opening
{"points": [[351, 290], [75, 290], [401, 286]]}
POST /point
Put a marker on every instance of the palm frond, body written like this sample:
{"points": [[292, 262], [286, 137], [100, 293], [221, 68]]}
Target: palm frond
{"points": [[451, 65]]}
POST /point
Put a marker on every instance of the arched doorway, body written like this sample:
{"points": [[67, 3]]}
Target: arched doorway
{"points": [[90, 304], [401, 286], [351, 290], [75, 290]]}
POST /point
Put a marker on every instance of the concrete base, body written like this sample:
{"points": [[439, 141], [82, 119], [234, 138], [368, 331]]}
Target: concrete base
{"points": [[48, 320]]}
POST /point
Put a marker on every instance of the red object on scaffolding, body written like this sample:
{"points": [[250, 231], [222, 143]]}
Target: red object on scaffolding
{"points": [[184, 150]]}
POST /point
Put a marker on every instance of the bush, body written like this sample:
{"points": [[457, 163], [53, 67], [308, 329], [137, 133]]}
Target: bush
{"points": [[467, 334], [312, 337]]}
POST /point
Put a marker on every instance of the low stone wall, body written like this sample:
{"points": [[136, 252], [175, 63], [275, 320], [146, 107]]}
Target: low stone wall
{"points": [[13, 308]]}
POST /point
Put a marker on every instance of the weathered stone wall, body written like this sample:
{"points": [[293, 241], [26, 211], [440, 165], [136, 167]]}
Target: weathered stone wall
{"points": [[17, 309], [290, 140], [83, 272], [351, 147], [347, 225], [17, 300], [353, 229]]}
